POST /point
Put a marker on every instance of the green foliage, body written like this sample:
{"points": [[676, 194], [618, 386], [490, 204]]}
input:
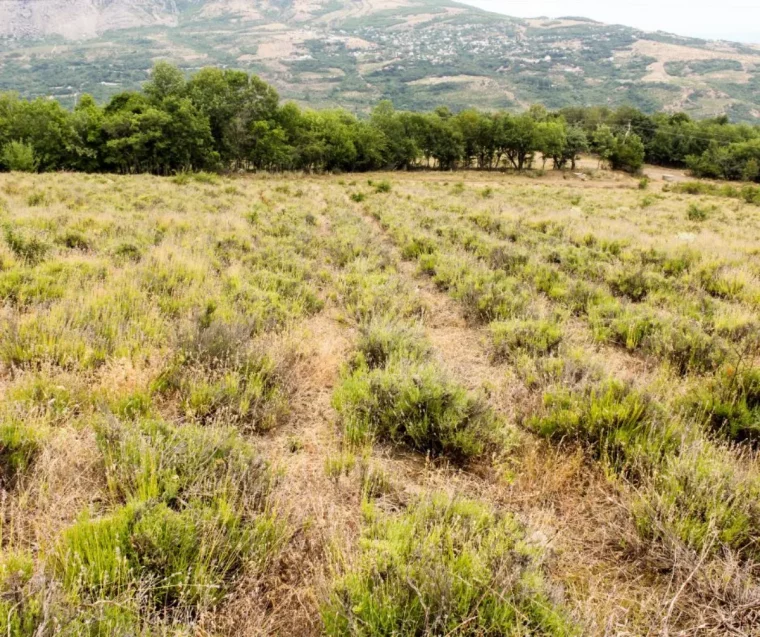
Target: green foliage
{"points": [[383, 340], [21, 607], [20, 443], [230, 120], [151, 460], [681, 341], [701, 497], [510, 339], [633, 284], [444, 566], [486, 295], [383, 186], [18, 156], [749, 194], [611, 420], [339, 464], [730, 404], [74, 240], [628, 153], [697, 213], [369, 292], [31, 249], [409, 403], [417, 247], [182, 559], [185, 522], [219, 379]]}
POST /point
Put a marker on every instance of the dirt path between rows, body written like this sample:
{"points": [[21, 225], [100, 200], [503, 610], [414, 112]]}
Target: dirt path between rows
{"points": [[594, 556], [572, 508]]}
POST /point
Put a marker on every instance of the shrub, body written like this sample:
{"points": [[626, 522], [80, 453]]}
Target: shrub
{"points": [[189, 515], [358, 197], [489, 296], [91, 556], [383, 340], [220, 379], [19, 156], [687, 346], [22, 607], [29, 248], [716, 282], [36, 199], [632, 284], [184, 559], [409, 403], [20, 442], [509, 339], [74, 240], [152, 460], [128, 251], [729, 404], [612, 323], [510, 260], [749, 194], [697, 213], [417, 247], [613, 421], [445, 567], [382, 186], [369, 291], [205, 178], [706, 501]]}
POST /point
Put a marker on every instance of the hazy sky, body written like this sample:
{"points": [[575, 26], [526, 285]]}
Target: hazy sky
{"points": [[722, 19]]}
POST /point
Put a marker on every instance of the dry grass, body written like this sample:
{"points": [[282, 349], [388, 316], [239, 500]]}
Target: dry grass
{"points": [[291, 268]]}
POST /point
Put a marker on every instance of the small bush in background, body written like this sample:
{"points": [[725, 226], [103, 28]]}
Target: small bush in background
{"points": [[18, 156]]}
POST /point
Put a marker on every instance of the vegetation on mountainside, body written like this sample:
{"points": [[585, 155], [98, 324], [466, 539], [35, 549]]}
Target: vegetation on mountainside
{"points": [[417, 53]]}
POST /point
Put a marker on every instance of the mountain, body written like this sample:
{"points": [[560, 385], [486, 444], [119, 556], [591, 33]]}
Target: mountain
{"points": [[352, 53]]}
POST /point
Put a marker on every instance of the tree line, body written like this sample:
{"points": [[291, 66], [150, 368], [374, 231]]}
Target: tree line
{"points": [[223, 119]]}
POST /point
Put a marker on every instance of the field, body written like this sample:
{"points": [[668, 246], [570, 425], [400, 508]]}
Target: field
{"points": [[403, 403]]}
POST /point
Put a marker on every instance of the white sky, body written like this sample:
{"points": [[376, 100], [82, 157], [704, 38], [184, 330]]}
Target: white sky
{"points": [[737, 20]]}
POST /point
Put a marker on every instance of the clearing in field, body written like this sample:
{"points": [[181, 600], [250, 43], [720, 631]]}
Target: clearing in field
{"points": [[429, 404]]}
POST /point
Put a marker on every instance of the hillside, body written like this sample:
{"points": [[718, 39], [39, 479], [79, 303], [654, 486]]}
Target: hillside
{"points": [[419, 53]]}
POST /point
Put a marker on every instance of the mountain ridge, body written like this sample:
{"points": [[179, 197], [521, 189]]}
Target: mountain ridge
{"points": [[352, 53]]}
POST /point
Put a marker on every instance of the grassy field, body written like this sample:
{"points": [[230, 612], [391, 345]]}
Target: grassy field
{"points": [[424, 404]]}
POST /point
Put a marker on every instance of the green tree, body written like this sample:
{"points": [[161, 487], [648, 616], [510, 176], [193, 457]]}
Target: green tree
{"points": [[552, 142], [47, 127], [444, 141], [401, 150], [628, 153], [88, 138], [166, 80], [518, 140], [576, 143], [232, 101], [18, 156], [271, 150], [603, 143]]}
